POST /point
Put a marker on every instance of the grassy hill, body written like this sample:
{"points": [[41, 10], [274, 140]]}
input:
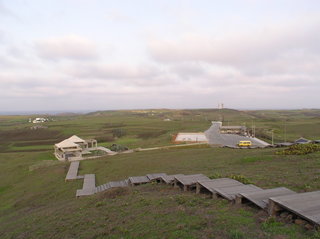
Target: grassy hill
{"points": [[39, 204], [147, 128]]}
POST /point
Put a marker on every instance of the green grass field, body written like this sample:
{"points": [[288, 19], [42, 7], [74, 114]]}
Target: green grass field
{"points": [[40, 204]]}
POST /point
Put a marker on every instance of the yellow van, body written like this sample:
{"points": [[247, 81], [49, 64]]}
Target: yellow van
{"points": [[244, 143]]}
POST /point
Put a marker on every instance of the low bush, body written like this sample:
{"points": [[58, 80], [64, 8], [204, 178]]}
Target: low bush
{"points": [[215, 176], [300, 149], [118, 148]]}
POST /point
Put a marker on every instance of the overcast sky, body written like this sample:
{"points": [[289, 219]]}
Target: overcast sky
{"points": [[133, 54]]}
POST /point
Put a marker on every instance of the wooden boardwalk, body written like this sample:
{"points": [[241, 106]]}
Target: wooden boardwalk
{"points": [[168, 179], [114, 184], [73, 171], [155, 176], [230, 193], [189, 181], [209, 185], [89, 185], [275, 200], [138, 180], [261, 198], [305, 205]]}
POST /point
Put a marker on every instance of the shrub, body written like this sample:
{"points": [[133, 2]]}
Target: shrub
{"points": [[215, 175], [300, 149], [118, 148]]}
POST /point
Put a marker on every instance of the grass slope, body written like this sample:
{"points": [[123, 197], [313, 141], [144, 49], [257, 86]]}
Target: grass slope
{"points": [[39, 204]]}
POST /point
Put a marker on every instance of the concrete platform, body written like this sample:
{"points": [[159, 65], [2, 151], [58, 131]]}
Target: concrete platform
{"points": [[89, 185], [261, 198], [73, 171]]}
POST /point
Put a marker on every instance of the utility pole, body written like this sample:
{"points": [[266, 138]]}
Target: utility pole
{"points": [[285, 132], [251, 128]]}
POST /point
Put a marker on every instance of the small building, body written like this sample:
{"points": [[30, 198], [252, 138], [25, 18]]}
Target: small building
{"points": [[39, 120], [241, 130], [72, 148], [302, 141], [191, 138]]}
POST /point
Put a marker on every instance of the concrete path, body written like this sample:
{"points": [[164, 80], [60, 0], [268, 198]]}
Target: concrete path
{"points": [[108, 151], [169, 146], [216, 138], [73, 171], [89, 185]]}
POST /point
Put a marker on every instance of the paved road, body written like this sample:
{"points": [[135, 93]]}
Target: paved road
{"points": [[215, 138]]}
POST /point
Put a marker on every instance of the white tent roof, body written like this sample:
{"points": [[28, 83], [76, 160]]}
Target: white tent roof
{"points": [[67, 143], [70, 142], [76, 139]]}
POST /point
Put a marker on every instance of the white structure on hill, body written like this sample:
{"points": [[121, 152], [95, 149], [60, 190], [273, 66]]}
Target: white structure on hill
{"points": [[72, 148], [39, 120]]}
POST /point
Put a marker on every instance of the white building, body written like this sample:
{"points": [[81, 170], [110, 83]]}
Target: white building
{"points": [[39, 120], [72, 148]]}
